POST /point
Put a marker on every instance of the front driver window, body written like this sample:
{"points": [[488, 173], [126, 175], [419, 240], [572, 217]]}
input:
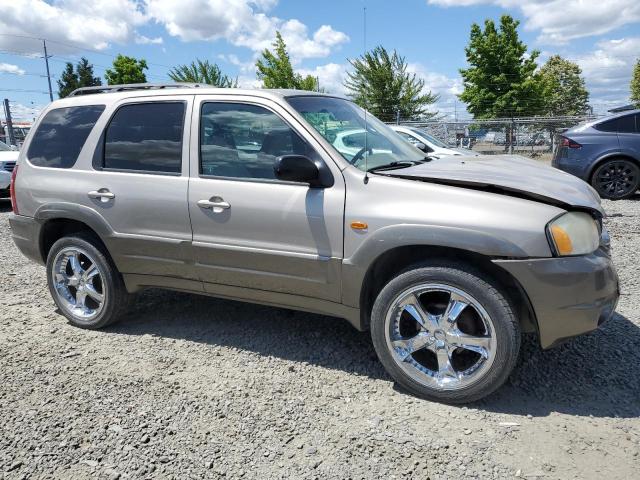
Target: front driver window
{"points": [[243, 140]]}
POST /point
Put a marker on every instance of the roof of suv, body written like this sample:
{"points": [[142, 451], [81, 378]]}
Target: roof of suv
{"points": [[142, 89]]}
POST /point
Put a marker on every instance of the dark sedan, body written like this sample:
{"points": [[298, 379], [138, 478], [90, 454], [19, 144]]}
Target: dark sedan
{"points": [[605, 153]]}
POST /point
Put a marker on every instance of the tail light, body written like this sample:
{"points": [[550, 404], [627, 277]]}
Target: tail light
{"points": [[12, 190], [567, 142]]}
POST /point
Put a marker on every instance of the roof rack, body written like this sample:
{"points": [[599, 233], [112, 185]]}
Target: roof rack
{"points": [[131, 86]]}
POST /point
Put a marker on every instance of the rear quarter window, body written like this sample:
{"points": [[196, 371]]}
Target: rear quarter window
{"points": [[61, 135]]}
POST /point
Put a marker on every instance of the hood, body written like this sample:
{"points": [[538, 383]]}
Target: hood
{"points": [[506, 174]]}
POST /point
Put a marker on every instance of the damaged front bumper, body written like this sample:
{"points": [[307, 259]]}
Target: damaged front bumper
{"points": [[570, 296]]}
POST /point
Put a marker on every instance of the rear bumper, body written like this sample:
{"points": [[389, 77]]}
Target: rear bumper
{"points": [[575, 166], [570, 296], [25, 232]]}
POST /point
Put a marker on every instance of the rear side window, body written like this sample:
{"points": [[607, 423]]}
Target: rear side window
{"points": [[608, 126], [61, 135], [146, 137], [626, 124]]}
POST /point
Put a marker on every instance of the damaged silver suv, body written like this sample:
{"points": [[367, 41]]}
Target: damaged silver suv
{"points": [[303, 201]]}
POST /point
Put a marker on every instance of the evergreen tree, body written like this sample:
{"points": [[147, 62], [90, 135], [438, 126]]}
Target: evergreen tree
{"points": [[68, 81], [84, 70], [82, 76], [381, 83], [274, 69]]}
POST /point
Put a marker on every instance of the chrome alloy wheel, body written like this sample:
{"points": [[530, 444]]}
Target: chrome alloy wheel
{"points": [[440, 336], [78, 283]]}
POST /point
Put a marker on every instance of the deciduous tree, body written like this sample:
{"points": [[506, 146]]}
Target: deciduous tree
{"points": [[635, 84], [126, 70], [501, 80], [564, 89], [201, 71]]}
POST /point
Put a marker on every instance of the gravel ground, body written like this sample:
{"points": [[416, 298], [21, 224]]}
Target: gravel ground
{"points": [[195, 387]]}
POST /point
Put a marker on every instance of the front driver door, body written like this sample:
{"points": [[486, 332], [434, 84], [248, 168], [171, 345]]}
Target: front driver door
{"points": [[251, 230]]}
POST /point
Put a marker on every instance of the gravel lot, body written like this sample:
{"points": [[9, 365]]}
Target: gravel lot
{"points": [[195, 387]]}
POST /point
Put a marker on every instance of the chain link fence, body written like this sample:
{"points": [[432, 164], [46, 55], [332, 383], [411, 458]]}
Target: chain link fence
{"points": [[533, 137]]}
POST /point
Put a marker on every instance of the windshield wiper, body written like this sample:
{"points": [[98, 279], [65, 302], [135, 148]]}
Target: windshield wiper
{"points": [[399, 164]]}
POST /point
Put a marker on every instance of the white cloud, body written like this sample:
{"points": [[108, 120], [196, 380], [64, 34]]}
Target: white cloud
{"points": [[448, 88], [96, 24], [9, 68], [25, 113], [331, 77], [607, 70], [68, 21], [142, 40], [242, 23], [559, 21]]}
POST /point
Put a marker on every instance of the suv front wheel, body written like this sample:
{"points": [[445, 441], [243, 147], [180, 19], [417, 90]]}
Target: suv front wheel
{"points": [[444, 333], [84, 283]]}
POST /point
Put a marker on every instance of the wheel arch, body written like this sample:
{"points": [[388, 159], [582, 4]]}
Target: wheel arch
{"points": [[59, 220], [396, 260], [611, 156]]}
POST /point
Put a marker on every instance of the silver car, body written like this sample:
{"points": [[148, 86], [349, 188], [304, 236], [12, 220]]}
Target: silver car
{"points": [[243, 194]]}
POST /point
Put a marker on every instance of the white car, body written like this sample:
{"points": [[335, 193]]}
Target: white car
{"points": [[8, 158], [432, 145]]}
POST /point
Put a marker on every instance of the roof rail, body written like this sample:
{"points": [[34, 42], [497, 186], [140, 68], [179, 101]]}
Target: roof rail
{"points": [[131, 86]]}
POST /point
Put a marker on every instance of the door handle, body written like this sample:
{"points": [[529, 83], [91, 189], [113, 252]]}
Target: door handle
{"points": [[103, 194], [217, 205]]}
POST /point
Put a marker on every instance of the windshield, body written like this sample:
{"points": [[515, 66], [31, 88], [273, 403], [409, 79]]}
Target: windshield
{"points": [[342, 123], [4, 147], [429, 138]]}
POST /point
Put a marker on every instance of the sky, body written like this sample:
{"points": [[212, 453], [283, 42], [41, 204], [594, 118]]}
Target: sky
{"points": [[602, 36]]}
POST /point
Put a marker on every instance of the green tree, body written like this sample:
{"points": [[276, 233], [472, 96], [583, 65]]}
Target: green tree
{"points": [[126, 70], [501, 80], [274, 69], [84, 70], [381, 83], [68, 81], [202, 72], [82, 76], [635, 84], [564, 90]]}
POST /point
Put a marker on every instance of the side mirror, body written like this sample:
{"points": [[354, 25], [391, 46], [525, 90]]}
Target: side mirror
{"points": [[421, 146], [13, 148], [297, 168]]}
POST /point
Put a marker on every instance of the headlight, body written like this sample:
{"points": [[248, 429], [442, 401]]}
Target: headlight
{"points": [[574, 233]]}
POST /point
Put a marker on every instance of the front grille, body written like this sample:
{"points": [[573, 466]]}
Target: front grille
{"points": [[9, 166]]}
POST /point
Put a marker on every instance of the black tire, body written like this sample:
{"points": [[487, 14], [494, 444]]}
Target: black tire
{"points": [[116, 298], [486, 292], [625, 172]]}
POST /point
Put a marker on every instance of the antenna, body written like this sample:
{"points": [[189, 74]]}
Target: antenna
{"points": [[366, 128]]}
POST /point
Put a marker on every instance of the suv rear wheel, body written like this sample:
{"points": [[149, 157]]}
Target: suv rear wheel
{"points": [[84, 283], [444, 333], [616, 179]]}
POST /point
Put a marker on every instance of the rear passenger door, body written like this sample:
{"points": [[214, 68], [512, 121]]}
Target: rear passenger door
{"points": [[250, 229], [138, 183]]}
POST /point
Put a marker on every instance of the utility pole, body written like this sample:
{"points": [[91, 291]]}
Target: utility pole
{"points": [[7, 113], [46, 61]]}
